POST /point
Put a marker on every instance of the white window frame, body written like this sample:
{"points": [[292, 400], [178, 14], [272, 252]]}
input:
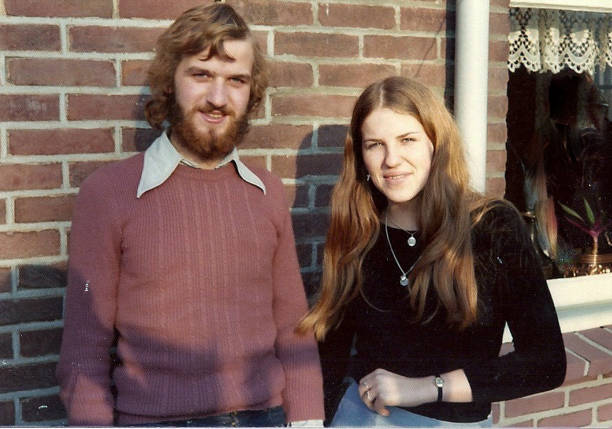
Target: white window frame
{"points": [[578, 5], [583, 302]]}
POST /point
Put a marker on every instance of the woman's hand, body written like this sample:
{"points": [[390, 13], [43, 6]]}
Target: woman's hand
{"points": [[382, 388]]}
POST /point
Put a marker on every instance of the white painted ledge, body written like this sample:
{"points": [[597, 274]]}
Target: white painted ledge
{"points": [[583, 302]]}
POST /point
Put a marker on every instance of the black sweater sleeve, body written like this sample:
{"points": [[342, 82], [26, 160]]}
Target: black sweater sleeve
{"points": [[335, 353], [538, 361]]}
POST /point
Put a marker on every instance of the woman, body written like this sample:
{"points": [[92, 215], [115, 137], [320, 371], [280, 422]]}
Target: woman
{"points": [[420, 275]]}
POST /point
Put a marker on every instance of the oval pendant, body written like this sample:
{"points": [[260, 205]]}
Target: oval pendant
{"points": [[411, 241], [404, 280]]}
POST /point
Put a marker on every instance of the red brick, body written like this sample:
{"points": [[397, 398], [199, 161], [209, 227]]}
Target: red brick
{"points": [[495, 186], [312, 281], [498, 51], [316, 44], [313, 105], [402, 47], [261, 39], [40, 343], [497, 133], [292, 166], [273, 12], [42, 408], [60, 72], [30, 310], [495, 413], [28, 176], [297, 195], [419, 19], [580, 418], [254, 161], [604, 413], [500, 3], [5, 280], [534, 403], [278, 136], [7, 413], [309, 225], [29, 37], [499, 23], [155, 9], [134, 72], [22, 107], [14, 245], [113, 39], [304, 252], [355, 75], [6, 346], [44, 209], [290, 74], [429, 74], [61, 141], [352, 15], [78, 171], [60, 8], [138, 139], [27, 377], [42, 276], [323, 195], [320, 253], [600, 362], [497, 106], [575, 369], [498, 78], [590, 394], [332, 135], [496, 161], [599, 336], [89, 106], [2, 212]]}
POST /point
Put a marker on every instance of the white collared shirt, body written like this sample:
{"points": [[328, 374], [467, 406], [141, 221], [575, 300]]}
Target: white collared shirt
{"points": [[162, 158]]}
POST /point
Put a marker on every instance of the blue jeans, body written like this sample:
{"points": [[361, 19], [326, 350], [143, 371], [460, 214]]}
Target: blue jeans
{"points": [[353, 412], [271, 417]]}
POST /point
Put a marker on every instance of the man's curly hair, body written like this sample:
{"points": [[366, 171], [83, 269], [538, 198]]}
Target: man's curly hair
{"points": [[195, 30]]}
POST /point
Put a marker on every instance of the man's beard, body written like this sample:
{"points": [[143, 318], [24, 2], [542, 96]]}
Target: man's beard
{"points": [[208, 144]]}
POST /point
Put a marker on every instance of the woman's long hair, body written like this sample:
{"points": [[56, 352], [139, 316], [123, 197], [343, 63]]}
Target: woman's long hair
{"points": [[446, 263]]}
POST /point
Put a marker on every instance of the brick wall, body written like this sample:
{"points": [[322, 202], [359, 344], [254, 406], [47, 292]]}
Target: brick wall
{"points": [[71, 95], [584, 399]]}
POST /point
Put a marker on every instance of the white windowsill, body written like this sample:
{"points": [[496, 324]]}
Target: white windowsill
{"points": [[582, 302]]}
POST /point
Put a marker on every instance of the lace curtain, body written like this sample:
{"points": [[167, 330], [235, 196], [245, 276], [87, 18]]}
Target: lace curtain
{"points": [[549, 40]]}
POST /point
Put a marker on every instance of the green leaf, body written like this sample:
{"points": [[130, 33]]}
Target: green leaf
{"points": [[570, 211], [589, 212]]}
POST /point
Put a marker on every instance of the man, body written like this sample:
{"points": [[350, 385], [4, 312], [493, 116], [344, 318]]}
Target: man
{"points": [[185, 258]]}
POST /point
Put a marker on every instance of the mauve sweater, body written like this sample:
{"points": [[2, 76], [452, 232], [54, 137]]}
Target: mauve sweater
{"points": [[199, 283]]}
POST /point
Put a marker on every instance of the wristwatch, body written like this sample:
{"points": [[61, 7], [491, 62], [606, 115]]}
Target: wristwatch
{"points": [[439, 383]]}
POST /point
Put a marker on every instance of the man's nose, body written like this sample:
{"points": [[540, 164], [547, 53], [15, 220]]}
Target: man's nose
{"points": [[217, 93]]}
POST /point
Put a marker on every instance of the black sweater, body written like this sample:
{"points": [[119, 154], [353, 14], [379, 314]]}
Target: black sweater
{"points": [[511, 288]]}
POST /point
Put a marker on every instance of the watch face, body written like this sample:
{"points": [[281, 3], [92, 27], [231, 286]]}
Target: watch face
{"points": [[439, 381]]}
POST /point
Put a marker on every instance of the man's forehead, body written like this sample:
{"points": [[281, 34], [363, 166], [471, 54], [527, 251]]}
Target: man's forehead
{"points": [[234, 49]]}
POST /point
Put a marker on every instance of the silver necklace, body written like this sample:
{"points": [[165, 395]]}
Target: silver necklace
{"points": [[404, 277], [411, 241]]}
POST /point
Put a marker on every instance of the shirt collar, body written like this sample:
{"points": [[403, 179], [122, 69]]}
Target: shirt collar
{"points": [[162, 158]]}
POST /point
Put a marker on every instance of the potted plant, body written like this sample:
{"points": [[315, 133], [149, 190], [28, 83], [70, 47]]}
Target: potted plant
{"points": [[594, 226]]}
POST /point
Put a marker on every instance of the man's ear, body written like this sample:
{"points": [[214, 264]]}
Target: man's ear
{"points": [[169, 90]]}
